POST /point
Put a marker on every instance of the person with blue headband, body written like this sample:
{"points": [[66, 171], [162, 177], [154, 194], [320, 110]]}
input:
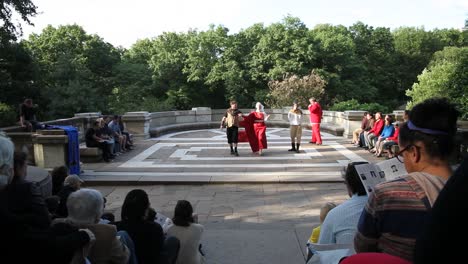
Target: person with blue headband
{"points": [[393, 216]]}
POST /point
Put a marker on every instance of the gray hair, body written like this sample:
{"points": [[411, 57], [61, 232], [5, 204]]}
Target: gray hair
{"points": [[7, 150], [85, 206]]}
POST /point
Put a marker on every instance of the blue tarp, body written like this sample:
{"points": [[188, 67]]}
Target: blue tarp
{"points": [[73, 153]]}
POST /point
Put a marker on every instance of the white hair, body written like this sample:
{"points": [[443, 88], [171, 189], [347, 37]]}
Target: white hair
{"points": [[85, 206], [7, 150], [259, 107]]}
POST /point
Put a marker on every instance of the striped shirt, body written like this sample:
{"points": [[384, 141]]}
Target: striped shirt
{"points": [[393, 218]]}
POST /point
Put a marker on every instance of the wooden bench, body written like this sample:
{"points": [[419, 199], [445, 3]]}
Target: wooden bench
{"points": [[90, 154]]}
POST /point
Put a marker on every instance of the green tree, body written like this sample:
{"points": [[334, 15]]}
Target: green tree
{"points": [[446, 76], [75, 70]]}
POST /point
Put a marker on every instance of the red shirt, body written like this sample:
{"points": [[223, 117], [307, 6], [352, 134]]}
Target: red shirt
{"points": [[315, 113], [378, 126], [395, 135]]}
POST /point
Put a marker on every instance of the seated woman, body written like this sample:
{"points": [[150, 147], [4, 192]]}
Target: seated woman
{"points": [[391, 141], [188, 232], [94, 140], [387, 132], [85, 208], [391, 220], [147, 236]]}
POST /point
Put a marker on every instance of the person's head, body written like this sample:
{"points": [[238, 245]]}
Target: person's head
{"points": [[108, 216], [427, 138], [233, 104], [58, 177], [73, 181], [28, 102], [369, 115], [406, 115], [396, 125], [352, 180], [183, 213], [312, 100], [388, 120], [116, 118], [97, 123], [7, 150], [259, 107], [52, 203], [85, 206], [20, 166], [295, 105], [378, 115], [325, 209], [365, 114], [135, 206], [151, 215]]}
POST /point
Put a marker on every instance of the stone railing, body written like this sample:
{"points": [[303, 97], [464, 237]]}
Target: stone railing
{"points": [[144, 124]]}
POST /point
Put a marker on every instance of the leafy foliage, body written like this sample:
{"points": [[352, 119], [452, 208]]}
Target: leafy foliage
{"points": [[446, 76], [353, 104], [282, 93]]}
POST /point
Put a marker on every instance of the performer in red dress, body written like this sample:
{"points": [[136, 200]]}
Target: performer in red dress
{"points": [[315, 118], [255, 129]]}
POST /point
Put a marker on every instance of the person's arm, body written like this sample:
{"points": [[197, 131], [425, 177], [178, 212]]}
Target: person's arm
{"points": [[119, 252], [22, 115], [326, 231]]}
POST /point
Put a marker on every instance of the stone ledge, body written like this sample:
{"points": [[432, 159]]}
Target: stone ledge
{"points": [[90, 154]]}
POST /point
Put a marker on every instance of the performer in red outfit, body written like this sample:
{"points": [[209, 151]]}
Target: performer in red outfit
{"points": [[315, 118], [255, 129]]}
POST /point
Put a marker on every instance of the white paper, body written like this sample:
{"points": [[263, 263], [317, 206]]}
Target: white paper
{"points": [[372, 174]]}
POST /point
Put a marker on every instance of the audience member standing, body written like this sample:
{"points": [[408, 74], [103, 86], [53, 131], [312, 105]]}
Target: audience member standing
{"points": [[393, 216], [315, 110]]}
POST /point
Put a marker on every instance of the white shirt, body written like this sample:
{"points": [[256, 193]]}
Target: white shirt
{"points": [[294, 119]]}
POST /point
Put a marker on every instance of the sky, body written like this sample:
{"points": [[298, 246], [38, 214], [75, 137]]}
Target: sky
{"points": [[122, 23]]}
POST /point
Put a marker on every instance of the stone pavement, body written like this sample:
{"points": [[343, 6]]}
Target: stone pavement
{"points": [[202, 156], [254, 209]]}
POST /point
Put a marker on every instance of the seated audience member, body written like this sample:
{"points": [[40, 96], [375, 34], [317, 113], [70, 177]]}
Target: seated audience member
{"points": [[358, 131], [117, 134], [340, 225], [393, 216], [374, 132], [387, 132], [85, 208], [128, 135], [71, 184], [93, 140], [369, 126], [28, 116], [58, 177], [147, 236], [323, 213], [447, 219], [188, 232], [52, 203], [25, 197], [22, 242], [106, 217], [391, 141]]}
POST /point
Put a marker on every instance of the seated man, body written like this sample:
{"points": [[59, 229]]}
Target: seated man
{"points": [[28, 116], [93, 140]]}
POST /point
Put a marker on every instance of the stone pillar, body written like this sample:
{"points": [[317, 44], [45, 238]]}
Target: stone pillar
{"points": [[352, 121], [88, 118], [138, 124], [50, 148], [202, 114]]}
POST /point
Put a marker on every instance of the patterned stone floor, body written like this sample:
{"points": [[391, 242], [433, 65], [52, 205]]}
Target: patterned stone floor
{"points": [[202, 156]]}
